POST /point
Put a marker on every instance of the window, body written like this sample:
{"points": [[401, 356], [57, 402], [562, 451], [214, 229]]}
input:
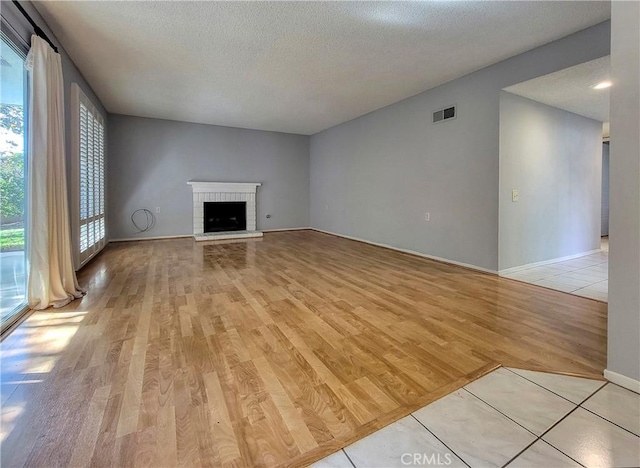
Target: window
{"points": [[88, 139], [13, 193]]}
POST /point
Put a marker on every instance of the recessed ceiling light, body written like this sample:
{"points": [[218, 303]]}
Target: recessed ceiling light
{"points": [[602, 85]]}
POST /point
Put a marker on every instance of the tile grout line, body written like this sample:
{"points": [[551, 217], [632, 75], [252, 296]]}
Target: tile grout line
{"points": [[537, 437], [551, 391], [554, 425], [540, 437], [551, 265], [559, 280], [550, 277], [563, 453], [10, 394], [440, 440], [602, 417], [609, 421], [575, 293], [493, 407], [566, 272], [562, 419], [584, 400], [579, 405], [348, 457], [533, 270]]}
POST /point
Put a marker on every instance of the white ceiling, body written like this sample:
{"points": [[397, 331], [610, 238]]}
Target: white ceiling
{"points": [[297, 67], [571, 89]]}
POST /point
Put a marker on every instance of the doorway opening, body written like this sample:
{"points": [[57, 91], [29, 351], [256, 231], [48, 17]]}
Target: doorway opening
{"points": [[554, 180]]}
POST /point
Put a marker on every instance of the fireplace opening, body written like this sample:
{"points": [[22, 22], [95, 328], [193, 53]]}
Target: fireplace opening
{"points": [[225, 216]]}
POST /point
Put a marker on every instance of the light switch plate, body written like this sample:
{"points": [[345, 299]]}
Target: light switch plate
{"points": [[515, 195]]}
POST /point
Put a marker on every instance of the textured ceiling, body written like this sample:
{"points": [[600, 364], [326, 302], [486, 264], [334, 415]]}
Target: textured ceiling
{"points": [[297, 67], [571, 89]]}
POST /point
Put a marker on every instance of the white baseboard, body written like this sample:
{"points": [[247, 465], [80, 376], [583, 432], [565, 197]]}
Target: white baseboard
{"points": [[622, 380], [547, 262], [129, 239], [287, 229], [407, 251]]}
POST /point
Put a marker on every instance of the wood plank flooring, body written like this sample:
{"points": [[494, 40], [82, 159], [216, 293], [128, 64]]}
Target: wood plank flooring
{"points": [[271, 352]]}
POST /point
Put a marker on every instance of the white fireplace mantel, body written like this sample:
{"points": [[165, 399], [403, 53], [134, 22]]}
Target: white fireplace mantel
{"points": [[220, 192], [223, 187]]}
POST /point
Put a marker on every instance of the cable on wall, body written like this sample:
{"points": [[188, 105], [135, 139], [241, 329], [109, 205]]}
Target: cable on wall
{"points": [[149, 220]]}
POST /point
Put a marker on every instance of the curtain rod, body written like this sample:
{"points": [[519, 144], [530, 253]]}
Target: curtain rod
{"points": [[36, 29]]}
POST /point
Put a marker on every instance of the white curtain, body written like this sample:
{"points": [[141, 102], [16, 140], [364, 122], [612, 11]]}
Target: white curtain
{"points": [[52, 278]]}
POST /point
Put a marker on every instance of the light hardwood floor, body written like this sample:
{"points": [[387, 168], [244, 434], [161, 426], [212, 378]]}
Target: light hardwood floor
{"points": [[270, 352]]}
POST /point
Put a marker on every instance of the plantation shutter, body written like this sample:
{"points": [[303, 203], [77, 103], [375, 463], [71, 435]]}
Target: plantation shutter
{"points": [[91, 177]]}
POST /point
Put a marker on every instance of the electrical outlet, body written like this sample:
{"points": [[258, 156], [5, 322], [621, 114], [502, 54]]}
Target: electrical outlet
{"points": [[157, 209], [427, 216], [515, 195]]}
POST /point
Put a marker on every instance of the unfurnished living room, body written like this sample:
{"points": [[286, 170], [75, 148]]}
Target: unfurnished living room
{"points": [[331, 234]]}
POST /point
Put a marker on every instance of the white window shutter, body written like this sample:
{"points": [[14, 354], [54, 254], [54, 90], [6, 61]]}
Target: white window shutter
{"points": [[89, 151]]}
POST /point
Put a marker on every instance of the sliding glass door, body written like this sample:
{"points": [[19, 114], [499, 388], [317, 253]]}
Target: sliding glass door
{"points": [[13, 188]]}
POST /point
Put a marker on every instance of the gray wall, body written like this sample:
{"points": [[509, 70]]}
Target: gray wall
{"points": [[19, 26], [554, 159], [151, 160], [375, 177], [624, 212], [604, 223]]}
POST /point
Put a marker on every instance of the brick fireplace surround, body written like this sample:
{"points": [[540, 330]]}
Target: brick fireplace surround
{"points": [[221, 192]]}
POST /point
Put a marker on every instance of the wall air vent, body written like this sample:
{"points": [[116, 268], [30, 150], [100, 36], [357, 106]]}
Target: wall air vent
{"points": [[444, 114]]}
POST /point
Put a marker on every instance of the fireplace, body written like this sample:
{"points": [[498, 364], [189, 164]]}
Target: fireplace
{"points": [[233, 210], [225, 216]]}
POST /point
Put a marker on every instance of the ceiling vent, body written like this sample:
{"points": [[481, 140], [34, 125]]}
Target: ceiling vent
{"points": [[444, 114]]}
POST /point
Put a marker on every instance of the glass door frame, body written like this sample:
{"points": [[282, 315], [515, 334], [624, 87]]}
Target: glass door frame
{"points": [[21, 47]]}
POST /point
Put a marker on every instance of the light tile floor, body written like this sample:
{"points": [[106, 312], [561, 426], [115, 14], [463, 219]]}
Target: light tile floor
{"points": [[513, 418], [586, 276]]}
